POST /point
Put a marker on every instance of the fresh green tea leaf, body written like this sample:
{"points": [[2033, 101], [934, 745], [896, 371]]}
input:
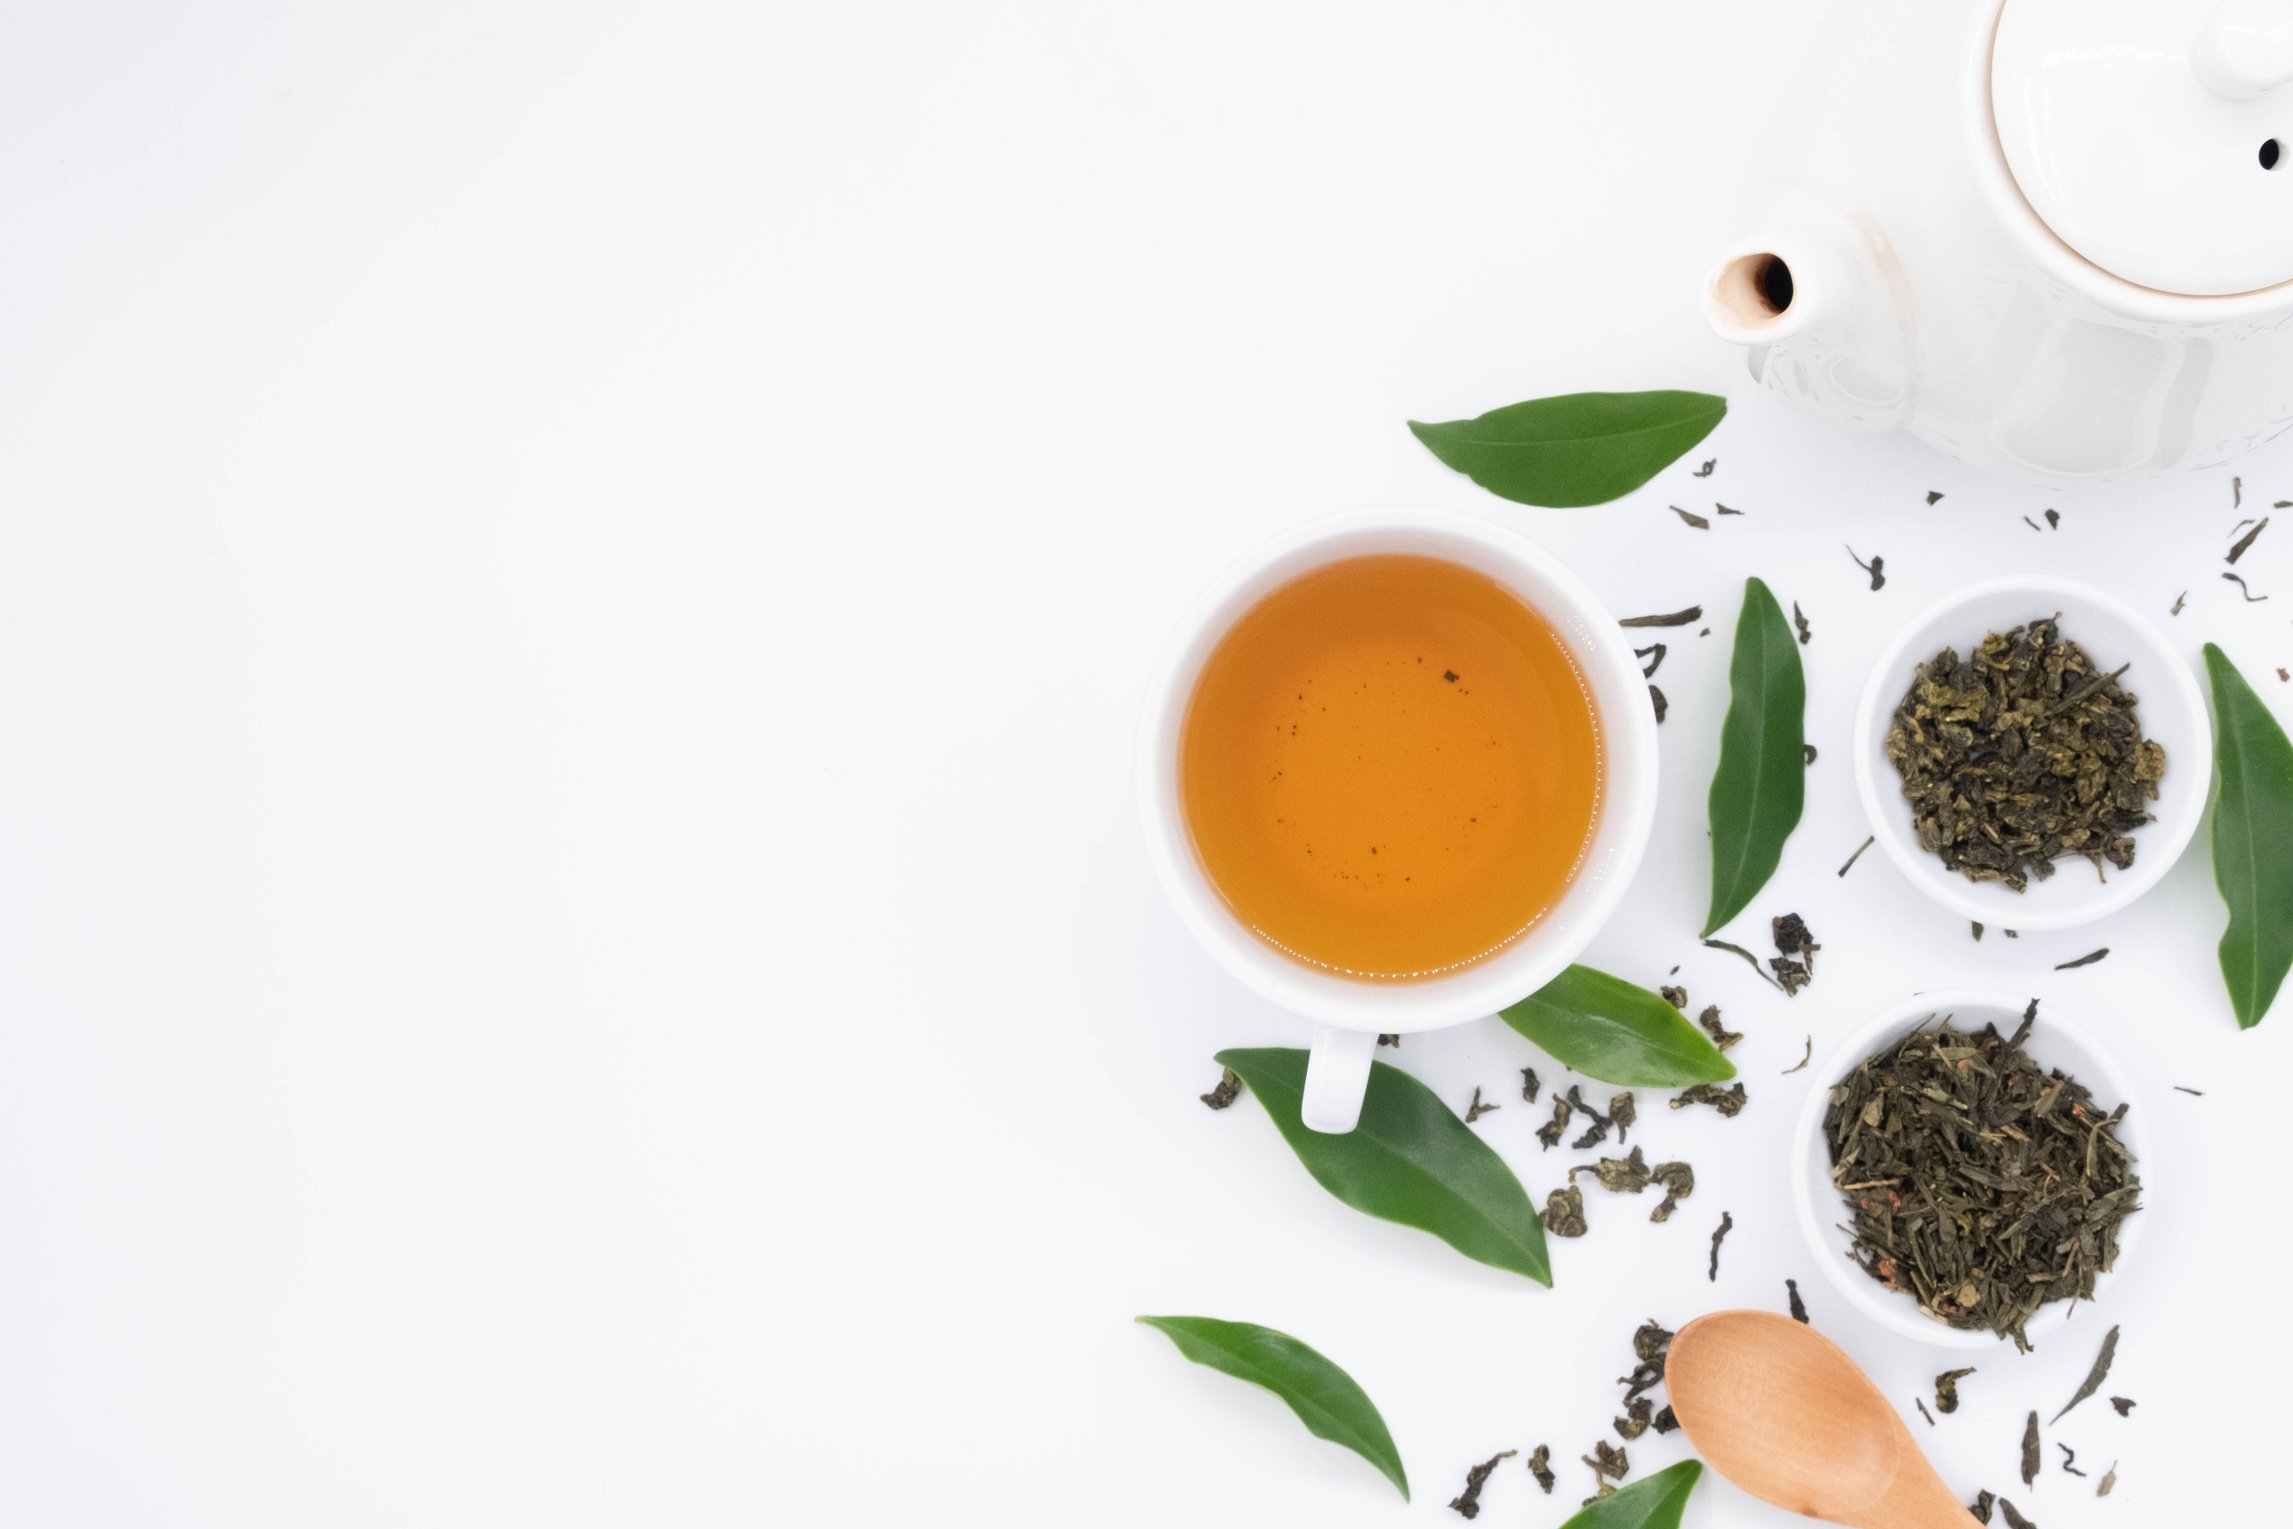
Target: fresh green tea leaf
{"points": [[1758, 788], [1323, 1396], [1578, 448], [1606, 1028], [1654, 1503], [1410, 1160], [2252, 825]]}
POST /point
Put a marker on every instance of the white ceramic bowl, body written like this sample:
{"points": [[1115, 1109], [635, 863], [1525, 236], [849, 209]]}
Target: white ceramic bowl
{"points": [[2054, 1042], [2171, 709]]}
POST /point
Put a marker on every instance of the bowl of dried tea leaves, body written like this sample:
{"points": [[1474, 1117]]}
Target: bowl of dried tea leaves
{"points": [[1970, 1169], [2031, 753]]}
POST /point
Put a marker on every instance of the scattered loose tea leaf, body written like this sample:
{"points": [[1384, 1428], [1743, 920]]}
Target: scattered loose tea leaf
{"points": [[1541, 1467], [1655, 662], [1799, 622], [2030, 1450], [1761, 782], [1564, 1212], [2034, 525], [1678, 1181], [2241, 525], [1529, 1085], [1876, 568], [1655, 1503], [2124, 1404], [1725, 509], [1728, 1101], [1722, 1036], [2013, 1516], [1477, 1109], [1859, 849], [2236, 493], [2242, 588], [2109, 1480], [1409, 1160], [1617, 1175], [1609, 1464], [1806, 1057], [2252, 822], [1934, 496], [2087, 959], [1597, 1132], [1651, 1344], [1390, 1040], [1549, 1134], [1636, 1419], [2095, 1376], [1811, 753], [1608, 1029], [2069, 1458], [1657, 700], [1981, 1506], [1795, 967], [2022, 753], [1468, 1502], [1947, 1389], [1698, 521], [1324, 1397], [1224, 1091], [1674, 994], [1576, 449], [2247, 539], [1923, 1412], [2033, 1196], [1798, 1306], [1749, 959], [1705, 471], [2053, 520], [1693, 613], [1978, 931], [2183, 1089], [1719, 1234], [2178, 599], [1665, 1421], [1623, 1113]]}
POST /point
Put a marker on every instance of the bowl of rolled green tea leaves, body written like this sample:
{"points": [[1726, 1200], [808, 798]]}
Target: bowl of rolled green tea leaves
{"points": [[2031, 753], [1971, 1170]]}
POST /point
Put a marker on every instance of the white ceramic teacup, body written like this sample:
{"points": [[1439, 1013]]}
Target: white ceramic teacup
{"points": [[1349, 1013]]}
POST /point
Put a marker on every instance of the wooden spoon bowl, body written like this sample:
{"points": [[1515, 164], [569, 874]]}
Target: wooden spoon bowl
{"points": [[1779, 1410]]}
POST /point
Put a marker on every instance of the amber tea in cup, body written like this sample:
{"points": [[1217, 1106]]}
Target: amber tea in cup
{"points": [[1391, 767]]}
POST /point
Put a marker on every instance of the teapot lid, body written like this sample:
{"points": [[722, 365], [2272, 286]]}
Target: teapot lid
{"points": [[2154, 137]]}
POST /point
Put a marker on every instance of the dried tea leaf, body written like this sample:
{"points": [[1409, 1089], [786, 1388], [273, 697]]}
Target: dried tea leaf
{"points": [[1876, 568], [1719, 1235], [1981, 1506], [1728, 1101], [1477, 1109], [2020, 754], [1806, 1057], [1617, 1175], [1225, 1091], [1859, 849], [1468, 1502], [1549, 1134], [1541, 1467], [1529, 1085], [1798, 1306], [2014, 1519], [2069, 1459], [2095, 1376], [1920, 1403], [1636, 1419], [2087, 959], [1698, 521], [2030, 1450], [1688, 617], [1623, 1113], [1564, 1212], [1678, 1181], [2124, 1404], [2109, 1480], [1665, 1421], [1721, 1035], [1947, 1389], [2032, 1198]]}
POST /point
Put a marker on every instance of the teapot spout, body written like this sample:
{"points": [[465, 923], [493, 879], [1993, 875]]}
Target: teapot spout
{"points": [[1771, 288]]}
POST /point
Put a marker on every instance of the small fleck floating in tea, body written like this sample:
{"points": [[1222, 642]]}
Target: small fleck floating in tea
{"points": [[1468, 1502]]}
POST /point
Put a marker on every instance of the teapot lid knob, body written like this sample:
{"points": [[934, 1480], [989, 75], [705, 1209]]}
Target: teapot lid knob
{"points": [[2154, 137]]}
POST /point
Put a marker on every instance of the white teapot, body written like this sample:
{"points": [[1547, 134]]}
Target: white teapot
{"points": [[2052, 237]]}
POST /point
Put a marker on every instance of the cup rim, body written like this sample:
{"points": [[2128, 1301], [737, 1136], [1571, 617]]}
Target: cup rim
{"points": [[2054, 903], [1628, 806], [2056, 1041]]}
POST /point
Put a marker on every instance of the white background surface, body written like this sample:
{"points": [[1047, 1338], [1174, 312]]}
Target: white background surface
{"points": [[574, 947]]}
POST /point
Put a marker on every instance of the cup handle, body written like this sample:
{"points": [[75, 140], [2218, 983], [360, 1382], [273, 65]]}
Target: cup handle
{"points": [[1337, 1076]]}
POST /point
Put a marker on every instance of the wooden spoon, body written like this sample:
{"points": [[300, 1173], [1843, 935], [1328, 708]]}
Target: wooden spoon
{"points": [[1775, 1407]]}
